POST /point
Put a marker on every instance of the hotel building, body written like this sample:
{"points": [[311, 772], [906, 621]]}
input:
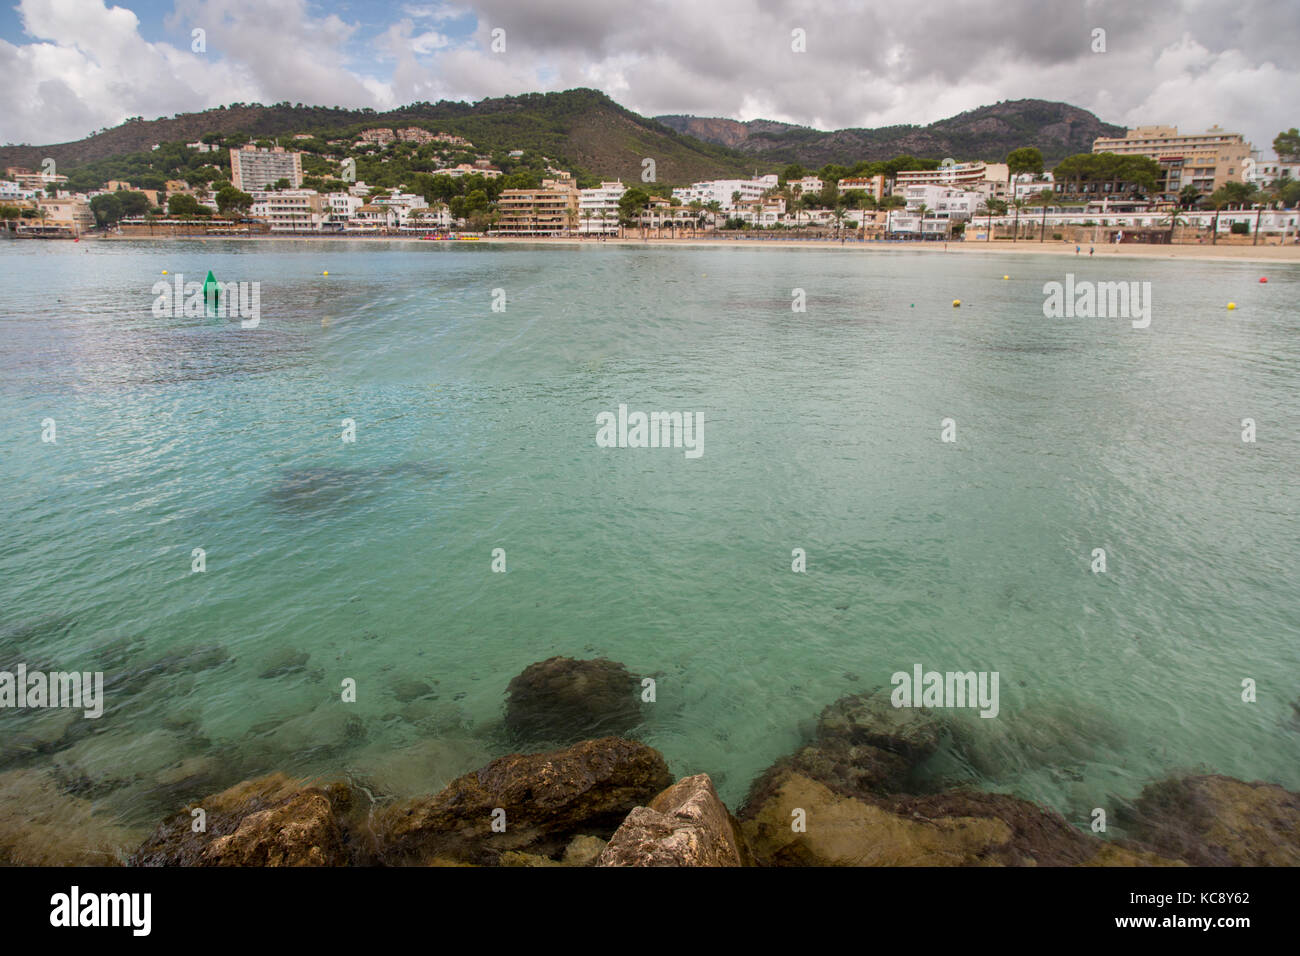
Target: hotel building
{"points": [[1204, 160], [252, 168], [551, 210]]}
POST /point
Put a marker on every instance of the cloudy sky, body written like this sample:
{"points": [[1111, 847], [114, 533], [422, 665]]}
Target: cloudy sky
{"points": [[71, 67]]}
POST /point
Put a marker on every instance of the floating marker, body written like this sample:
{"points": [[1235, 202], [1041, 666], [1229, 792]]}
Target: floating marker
{"points": [[1006, 277], [1263, 278], [956, 303], [211, 293], [1231, 306], [325, 273], [164, 272]]}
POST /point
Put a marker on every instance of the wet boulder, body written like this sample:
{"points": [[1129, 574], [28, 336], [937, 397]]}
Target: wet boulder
{"points": [[562, 700], [686, 825], [526, 802], [269, 821], [797, 821], [1214, 820]]}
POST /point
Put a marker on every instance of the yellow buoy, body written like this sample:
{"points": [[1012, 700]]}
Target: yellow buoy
{"points": [[956, 302], [325, 273], [1231, 306], [164, 272], [1006, 277]]}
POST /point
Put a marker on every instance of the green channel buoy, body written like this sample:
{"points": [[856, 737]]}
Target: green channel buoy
{"points": [[211, 293]]}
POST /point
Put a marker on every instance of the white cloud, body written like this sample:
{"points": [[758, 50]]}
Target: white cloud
{"points": [[1190, 64]]}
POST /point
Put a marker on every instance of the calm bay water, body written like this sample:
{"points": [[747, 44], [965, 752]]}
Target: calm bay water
{"points": [[476, 430]]}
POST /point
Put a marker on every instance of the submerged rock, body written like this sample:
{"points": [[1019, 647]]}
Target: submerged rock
{"points": [[686, 825], [269, 821], [284, 661], [800, 822], [1218, 821], [564, 700], [912, 733], [547, 798], [40, 825], [862, 745], [584, 850]]}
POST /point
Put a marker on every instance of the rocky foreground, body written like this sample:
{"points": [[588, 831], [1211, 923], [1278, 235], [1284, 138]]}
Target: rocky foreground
{"points": [[850, 797]]}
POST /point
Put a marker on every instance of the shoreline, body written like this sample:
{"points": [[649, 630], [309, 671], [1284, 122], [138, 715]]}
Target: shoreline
{"points": [[1197, 252]]}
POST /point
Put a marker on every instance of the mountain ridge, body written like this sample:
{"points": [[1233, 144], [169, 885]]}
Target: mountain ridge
{"points": [[589, 131], [986, 132]]}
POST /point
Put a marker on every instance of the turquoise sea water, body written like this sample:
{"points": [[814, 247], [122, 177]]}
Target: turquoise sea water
{"points": [[476, 430]]}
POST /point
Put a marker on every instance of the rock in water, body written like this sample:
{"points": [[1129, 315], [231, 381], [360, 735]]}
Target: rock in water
{"points": [[800, 822], [562, 700], [863, 745], [547, 799], [270, 821], [911, 732], [301, 831], [1218, 821], [686, 825]]}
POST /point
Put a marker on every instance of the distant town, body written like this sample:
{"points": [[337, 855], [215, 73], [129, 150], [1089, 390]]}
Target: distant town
{"points": [[1152, 185]]}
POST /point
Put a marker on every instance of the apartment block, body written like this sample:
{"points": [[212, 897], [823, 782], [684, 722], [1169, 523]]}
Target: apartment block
{"points": [[989, 179], [1204, 160], [943, 202], [873, 186], [291, 210], [598, 209], [551, 210], [721, 191], [252, 169]]}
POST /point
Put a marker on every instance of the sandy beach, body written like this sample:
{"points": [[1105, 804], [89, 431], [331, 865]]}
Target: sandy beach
{"points": [[1221, 252]]}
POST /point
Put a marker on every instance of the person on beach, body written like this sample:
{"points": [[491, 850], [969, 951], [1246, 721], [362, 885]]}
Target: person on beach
{"points": [[1078, 249], [1090, 248]]}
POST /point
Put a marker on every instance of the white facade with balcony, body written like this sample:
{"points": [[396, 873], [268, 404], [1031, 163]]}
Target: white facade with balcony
{"points": [[598, 209]]}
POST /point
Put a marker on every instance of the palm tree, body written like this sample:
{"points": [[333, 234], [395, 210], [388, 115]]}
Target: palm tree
{"points": [[697, 208], [1174, 220], [1045, 198], [1019, 204], [714, 207], [921, 210], [1218, 199], [586, 214]]}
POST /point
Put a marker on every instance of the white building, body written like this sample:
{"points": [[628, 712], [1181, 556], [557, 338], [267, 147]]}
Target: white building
{"points": [[809, 184], [339, 209], [762, 212], [942, 202], [721, 191], [598, 209], [1266, 173], [435, 218], [402, 205], [290, 210], [1027, 185]]}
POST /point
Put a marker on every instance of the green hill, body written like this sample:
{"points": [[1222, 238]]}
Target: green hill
{"points": [[580, 129], [987, 133]]}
